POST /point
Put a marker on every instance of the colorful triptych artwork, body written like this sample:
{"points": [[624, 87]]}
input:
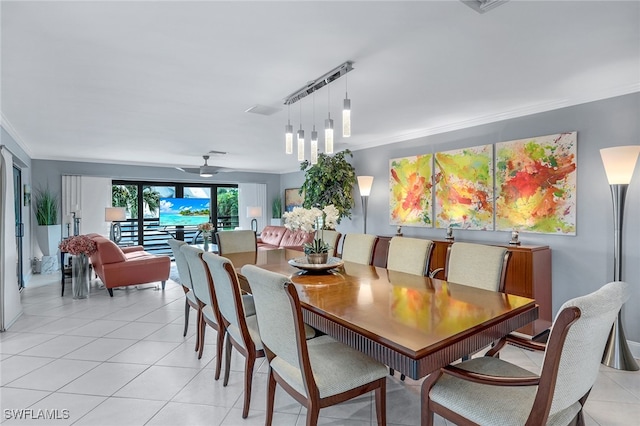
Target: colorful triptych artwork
{"points": [[464, 188], [536, 181], [410, 191]]}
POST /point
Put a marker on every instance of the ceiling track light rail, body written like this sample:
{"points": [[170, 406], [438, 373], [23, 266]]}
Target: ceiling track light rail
{"points": [[319, 83]]}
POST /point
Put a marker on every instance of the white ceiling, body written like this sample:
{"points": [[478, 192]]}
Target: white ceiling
{"points": [[162, 83]]}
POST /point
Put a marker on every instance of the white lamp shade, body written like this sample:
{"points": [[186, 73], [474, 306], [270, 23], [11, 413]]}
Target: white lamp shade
{"points": [[255, 211], [364, 185], [115, 214], [619, 163]]}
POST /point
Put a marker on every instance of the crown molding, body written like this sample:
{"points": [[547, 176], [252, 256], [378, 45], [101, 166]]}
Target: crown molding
{"points": [[8, 127]]}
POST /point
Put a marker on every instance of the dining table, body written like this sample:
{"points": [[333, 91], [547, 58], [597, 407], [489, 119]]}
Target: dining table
{"points": [[414, 324]]}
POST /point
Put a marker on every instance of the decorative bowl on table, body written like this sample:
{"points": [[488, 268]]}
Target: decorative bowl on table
{"points": [[303, 263]]}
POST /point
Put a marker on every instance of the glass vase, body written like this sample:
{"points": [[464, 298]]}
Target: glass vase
{"points": [[80, 276], [206, 243]]}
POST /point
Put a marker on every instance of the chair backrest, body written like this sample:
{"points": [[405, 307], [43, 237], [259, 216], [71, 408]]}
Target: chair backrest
{"points": [[332, 238], [581, 353], [277, 318], [181, 263], [228, 297], [410, 255], [236, 241], [199, 276], [358, 248], [477, 265]]}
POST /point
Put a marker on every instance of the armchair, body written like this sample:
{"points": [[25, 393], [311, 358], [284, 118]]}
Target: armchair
{"points": [[488, 390]]}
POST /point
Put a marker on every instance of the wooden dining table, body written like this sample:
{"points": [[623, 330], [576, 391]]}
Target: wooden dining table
{"points": [[411, 323]]}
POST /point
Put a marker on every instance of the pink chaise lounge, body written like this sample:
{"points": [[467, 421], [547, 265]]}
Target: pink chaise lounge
{"points": [[125, 266]]}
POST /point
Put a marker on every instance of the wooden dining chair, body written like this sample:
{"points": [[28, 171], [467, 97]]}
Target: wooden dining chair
{"points": [[332, 238], [209, 313], [477, 265], [359, 248], [190, 299], [410, 255], [241, 329], [490, 391], [319, 372], [236, 241]]}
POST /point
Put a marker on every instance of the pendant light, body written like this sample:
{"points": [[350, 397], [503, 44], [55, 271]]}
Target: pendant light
{"points": [[288, 133], [300, 138], [328, 126], [346, 112], [314, 135]]}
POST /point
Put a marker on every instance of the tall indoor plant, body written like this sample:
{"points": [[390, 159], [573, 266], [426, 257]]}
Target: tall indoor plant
{"points": [[330, 181], [49, 231], [276, 212]]}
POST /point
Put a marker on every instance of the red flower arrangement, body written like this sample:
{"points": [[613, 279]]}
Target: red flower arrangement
{"points": [[79, 244]]}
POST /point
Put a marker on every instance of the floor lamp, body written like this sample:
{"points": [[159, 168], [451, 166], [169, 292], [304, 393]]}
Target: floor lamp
{"points": [[619, 163], [254, 213], [364, 185]]}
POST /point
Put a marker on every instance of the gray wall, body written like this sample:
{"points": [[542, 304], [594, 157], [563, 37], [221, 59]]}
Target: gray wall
{"points": [[50, 173], [581, 263]]}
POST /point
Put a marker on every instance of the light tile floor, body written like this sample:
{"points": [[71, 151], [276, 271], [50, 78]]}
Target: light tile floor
{"points": [[123, 361]]}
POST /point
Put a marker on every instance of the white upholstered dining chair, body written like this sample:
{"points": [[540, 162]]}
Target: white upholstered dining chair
{"points": [[409, 255], [237, 320], [236, 241], [477, 265], [490, 391], [319, 372], [209, 314], [190, 300], [358, 248], [330, 237]]}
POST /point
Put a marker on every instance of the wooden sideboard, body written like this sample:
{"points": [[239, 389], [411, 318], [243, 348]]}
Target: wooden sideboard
{"points": [[528, 275]]}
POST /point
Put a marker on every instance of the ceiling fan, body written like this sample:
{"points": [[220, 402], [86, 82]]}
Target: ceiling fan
{"points": [[205, 170]]}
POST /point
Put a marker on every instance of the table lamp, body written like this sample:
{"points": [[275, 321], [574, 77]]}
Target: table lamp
{"points": [[115, 215], [254, 213]]}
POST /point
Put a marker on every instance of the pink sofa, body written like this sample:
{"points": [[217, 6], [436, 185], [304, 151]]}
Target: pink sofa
{"points": [[119, 267], [279, 236]]}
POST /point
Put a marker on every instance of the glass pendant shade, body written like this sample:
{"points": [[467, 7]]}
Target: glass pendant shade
{"points": [[301, 145], [314, 146], [328, 136], [346, 118], [288, 138]]}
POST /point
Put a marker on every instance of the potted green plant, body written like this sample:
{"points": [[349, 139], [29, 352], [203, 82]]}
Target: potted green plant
{"points": [[48, 232], [330, 181], [276, 212]]}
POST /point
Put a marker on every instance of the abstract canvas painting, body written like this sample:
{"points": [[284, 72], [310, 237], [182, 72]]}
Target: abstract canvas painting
{"points": [[464, 188], [536, 184], [410, 191]]}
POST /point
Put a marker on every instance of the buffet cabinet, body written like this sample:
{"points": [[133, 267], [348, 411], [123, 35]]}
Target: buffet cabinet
{"points": [[528, 275]]}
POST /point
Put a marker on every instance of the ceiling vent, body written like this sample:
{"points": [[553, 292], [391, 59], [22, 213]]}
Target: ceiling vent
{"points": [[482, 6], [263, 110]]}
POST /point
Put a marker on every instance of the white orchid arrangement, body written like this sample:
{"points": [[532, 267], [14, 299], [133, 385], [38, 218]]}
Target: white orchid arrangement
{"points": [[312, 219]]}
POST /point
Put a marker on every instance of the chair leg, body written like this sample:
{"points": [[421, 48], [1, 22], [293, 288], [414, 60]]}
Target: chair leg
{"points": [[381, 402], [163, 283], [219, 345], [248, 379], [186, 316], [227, 359], [313, 412], [271, 395], [110, 290], [202, 329]]}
